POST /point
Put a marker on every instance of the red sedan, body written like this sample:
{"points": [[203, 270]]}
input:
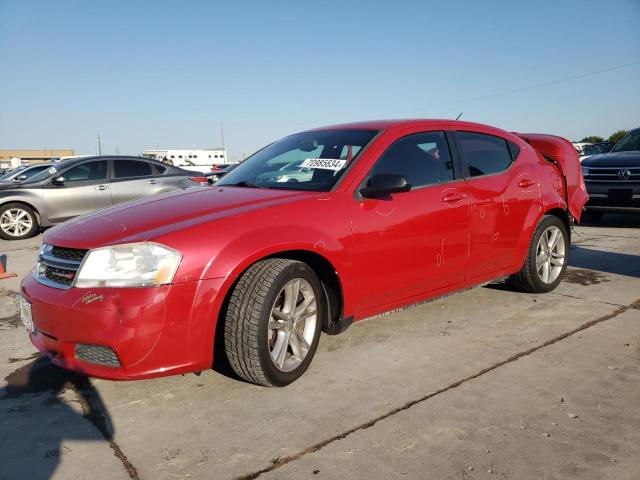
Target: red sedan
{"points": [[370, 217]]}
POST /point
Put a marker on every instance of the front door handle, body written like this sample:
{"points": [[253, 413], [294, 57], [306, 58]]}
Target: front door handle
{"points": [[454, 197], [152, 182], [526, 183], [102, 187]]}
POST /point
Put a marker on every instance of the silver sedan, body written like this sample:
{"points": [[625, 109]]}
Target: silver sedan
{"points": [[78, 186]]}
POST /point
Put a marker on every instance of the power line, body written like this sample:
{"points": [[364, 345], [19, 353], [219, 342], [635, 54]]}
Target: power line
{"points": [[517, 90]]}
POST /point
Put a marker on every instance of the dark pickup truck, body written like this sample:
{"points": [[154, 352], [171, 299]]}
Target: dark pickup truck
{"points": [[613, 179]]}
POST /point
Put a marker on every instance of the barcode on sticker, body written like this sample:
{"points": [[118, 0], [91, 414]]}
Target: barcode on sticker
{"points": [[323, 163]]}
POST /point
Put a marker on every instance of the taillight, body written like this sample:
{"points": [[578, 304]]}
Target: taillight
{"points": [[200, 180]]}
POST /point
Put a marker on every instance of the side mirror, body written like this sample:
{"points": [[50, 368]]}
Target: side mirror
{"points": [[58, 181], [20, 178], [384, 184]]}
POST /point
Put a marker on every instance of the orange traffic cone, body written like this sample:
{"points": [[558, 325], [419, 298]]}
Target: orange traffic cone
{"points": [[3, 268]]}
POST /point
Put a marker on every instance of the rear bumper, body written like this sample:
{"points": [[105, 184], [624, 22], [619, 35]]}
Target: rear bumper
{"points": [[152, 331]]}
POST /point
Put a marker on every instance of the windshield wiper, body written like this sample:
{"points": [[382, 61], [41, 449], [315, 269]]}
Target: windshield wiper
{"points": [[243, 184]]}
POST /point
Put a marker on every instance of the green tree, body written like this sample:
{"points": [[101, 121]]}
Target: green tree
{"points": [[617, 136], [592, 139]]}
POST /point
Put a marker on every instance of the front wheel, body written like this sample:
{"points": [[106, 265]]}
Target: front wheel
{"points": [[546, 259], [17, 221], [273, 321]]}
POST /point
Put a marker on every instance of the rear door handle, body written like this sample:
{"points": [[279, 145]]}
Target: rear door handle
{"points": [[102, 187], [152, 182], [454, 197], [526, 183]]}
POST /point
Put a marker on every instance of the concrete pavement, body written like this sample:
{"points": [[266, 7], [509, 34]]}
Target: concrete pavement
{"points": [[488, 383]]}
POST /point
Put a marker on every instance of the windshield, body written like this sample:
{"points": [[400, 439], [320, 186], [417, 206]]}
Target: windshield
{"points": [[46, 173], [597, 148], [312, 161], [630, 142], [12, 173]]}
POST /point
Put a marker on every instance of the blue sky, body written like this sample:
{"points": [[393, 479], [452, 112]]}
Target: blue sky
{"points": [[170, 72]]}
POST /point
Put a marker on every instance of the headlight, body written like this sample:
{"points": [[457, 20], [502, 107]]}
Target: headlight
{"points": [[130, 265], [585, 171]]}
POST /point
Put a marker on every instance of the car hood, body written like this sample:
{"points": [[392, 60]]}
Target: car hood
{"points": [[7, 184], [613, 159], [152, 217]]}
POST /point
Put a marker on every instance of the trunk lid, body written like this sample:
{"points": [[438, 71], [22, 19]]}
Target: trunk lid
{"points": [[562, 152]]}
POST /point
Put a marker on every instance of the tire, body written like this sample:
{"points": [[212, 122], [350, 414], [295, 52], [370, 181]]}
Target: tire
{"points": [[261, 299], [595, 215], [532, 279], [25, 215]]}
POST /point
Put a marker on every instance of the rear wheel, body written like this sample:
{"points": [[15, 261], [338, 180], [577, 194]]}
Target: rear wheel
{"points": [[273, 321], [547, 257], [17, 221]]}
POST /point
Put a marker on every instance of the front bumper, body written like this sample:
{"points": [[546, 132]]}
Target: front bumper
{"points": [[152, 331], [613, 196]]}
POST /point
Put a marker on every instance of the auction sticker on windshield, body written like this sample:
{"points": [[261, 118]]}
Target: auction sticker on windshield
{"points": [[323, 163]]}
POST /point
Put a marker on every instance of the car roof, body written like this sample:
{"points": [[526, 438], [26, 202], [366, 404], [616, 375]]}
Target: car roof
{"points": [[397, 124], [44, 164], [73, 161]]}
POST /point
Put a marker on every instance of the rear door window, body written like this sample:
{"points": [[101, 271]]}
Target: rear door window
{"points": [[483, 154], [131, 168]]}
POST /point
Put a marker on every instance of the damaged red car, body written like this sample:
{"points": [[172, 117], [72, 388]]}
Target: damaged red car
{"points": [[313, 232]]}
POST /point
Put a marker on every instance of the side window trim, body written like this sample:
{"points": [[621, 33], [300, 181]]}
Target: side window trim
{"points": [[155, 169], [460, 170], [514, 150], [463, 162]]}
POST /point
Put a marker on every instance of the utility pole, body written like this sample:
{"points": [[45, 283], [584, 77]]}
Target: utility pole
{"points": [[224, 150], [99, 146]]}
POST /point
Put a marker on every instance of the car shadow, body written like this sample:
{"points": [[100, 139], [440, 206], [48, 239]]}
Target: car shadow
{"points": [[604, 261], [37, 422], [590, 259], [613, 220]]}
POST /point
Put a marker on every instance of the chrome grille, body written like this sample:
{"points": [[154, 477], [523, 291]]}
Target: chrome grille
{"points": [[610, 174], [59, 275], [68, 253], [57, 266]]}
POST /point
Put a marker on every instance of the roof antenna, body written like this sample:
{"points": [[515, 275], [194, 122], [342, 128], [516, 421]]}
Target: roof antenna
{"points": [[458, 117]]}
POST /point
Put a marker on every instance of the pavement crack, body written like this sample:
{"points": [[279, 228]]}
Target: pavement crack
{"points": [[281, 461], [592, 300], [93, 414]]}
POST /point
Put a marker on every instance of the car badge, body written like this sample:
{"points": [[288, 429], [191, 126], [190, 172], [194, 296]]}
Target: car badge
{"points": [[624, 174]]}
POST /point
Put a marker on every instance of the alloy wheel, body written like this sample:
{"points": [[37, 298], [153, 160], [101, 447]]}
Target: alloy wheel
{"points": [[550, 254], [15, 222], [292, 324]]}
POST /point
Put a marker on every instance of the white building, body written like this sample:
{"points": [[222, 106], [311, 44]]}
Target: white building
{"points": [[191, 159]]}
